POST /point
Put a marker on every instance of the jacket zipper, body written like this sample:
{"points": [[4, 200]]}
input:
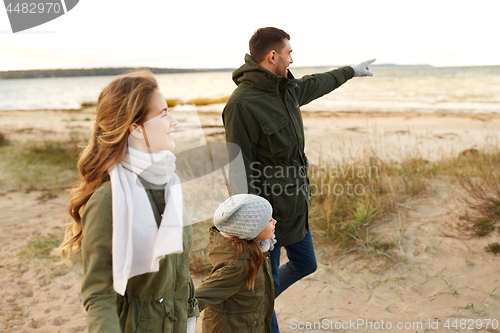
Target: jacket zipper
{"points": [[282, 100], [306, 183]]}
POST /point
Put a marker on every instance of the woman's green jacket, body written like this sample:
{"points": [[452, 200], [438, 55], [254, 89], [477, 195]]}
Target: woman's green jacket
{"points": [[153, 302]]}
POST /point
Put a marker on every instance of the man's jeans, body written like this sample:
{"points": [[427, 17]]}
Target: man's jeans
{"points": [[302, 262]]}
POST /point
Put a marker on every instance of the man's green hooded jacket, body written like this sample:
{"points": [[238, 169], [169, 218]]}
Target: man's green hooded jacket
{"points": [[263, 118]]}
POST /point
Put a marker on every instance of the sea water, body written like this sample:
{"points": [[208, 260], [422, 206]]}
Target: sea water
{"points": [[392, 89]]}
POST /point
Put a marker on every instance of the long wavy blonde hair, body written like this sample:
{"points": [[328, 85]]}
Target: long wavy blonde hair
{"points": [[123, 102]]}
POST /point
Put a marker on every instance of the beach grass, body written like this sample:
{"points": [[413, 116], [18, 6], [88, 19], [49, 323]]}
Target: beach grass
{"points": [[208, 101], [355, 198], [477, 174], [42, 247], [481, 215], [493, 248], [60, 153], [88, 104], [172, 102], [40, 252], [40, 165], [4, 141], [350, 199]]}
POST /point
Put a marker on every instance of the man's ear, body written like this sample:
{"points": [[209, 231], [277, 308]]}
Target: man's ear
{"points": [[136, 131], [272, 57]]}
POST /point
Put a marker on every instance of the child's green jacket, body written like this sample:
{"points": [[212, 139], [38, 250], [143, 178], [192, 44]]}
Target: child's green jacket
{"points": [[229, 305]]}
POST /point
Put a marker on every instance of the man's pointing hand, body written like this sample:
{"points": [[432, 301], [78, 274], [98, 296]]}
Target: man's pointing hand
{"points": [[362, 69]]}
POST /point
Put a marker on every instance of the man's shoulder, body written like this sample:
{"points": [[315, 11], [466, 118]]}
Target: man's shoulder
{"points": [[247, 97], [239, 95]]}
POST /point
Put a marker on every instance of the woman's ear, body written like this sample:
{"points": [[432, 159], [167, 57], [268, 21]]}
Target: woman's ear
{"points": [[135, 131]]}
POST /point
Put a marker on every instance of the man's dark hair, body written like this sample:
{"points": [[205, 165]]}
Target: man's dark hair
{"points": [[265, 40]]}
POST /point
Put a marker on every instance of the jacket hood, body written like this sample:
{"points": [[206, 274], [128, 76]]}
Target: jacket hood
{"points": [[220, 248], [257, 76]]}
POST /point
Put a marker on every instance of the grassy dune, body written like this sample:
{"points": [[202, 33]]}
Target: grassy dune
{"points": [[350, 199]]}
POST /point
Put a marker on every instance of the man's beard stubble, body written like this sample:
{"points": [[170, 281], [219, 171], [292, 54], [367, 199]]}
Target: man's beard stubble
{"points": [[281, 69]]}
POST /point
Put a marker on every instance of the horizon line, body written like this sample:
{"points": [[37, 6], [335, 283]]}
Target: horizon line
{"points": [[231, 68]]}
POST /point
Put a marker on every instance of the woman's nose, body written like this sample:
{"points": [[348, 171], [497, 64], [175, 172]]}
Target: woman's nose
{"points": [[173, 122]]}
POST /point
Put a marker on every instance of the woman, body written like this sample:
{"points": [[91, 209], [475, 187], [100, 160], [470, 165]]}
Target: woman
{"points": [[128, 216]]}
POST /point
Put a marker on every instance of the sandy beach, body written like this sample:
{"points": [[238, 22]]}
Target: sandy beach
{"points": [[439, 279]]}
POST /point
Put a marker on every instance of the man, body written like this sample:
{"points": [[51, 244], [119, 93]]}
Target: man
{"points": [[263, 118]]}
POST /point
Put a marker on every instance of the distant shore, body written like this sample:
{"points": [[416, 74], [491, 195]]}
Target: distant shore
{"points": [[75, 72], [103, 71]]}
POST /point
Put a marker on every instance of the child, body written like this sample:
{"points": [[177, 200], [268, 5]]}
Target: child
{"points": [[238, 296]]}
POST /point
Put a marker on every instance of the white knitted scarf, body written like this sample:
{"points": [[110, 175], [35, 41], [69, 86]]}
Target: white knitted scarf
{"points": [[138, 244], [268, 244]]}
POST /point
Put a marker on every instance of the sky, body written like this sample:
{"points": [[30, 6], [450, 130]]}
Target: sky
{"points": [[215, 34]]}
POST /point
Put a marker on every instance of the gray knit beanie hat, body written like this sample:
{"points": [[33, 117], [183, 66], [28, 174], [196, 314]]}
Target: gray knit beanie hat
{"points": [[243, 216]]}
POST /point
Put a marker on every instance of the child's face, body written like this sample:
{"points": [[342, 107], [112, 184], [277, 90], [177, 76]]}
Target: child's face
{"points": [[268, 231]]}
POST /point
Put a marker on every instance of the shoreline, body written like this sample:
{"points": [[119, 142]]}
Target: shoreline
{"points": [[327, 133], [211, 112]]}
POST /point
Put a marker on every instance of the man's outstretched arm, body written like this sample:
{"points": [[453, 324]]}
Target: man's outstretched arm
{"points": [[314, 86]]}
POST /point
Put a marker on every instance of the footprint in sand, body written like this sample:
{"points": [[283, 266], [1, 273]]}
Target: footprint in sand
{"points": [[396, 307], [37, 323], [420, 248], [58, 321], [27, 293], [15, 308]]}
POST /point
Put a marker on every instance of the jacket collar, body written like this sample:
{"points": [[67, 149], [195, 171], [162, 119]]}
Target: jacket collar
{"points": [[257, 76]]}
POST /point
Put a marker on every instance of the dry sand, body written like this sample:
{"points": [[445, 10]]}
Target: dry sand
{"points": [[440, 277]]}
